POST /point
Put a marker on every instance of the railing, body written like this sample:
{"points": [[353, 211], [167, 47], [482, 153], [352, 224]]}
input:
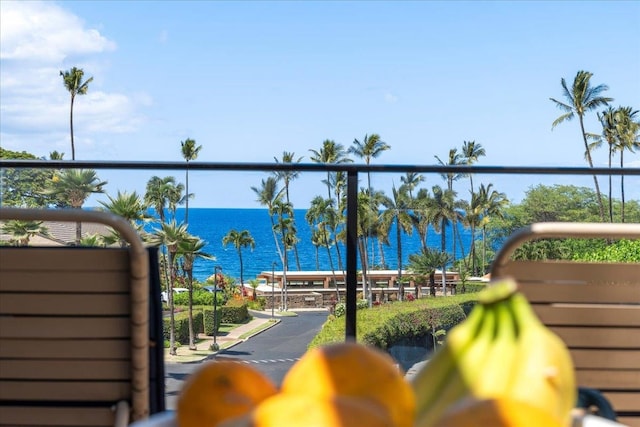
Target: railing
{"points": [[352, 171]]}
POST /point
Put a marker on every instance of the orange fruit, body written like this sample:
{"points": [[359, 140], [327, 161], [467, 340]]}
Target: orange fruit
{"points": [[289, 410], [351, 369], [498, 412], [219, 390]]}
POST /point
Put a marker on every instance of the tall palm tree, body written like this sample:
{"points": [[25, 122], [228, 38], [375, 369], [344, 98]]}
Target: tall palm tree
{"points": [[72, 80], [75, 186], [287, 230], [369, 148], [22, 231], [422, 215], [493, 204], [444, 213], [286, 177], [581, 99], [158, 193], [471, 152], [333, 153], [628, 135], [190, 249], [455, 159], [397, 210], [410, 181], [322, 214], [171, 235], [239, 240], [268, 194], [189, 152], [608, 121]]}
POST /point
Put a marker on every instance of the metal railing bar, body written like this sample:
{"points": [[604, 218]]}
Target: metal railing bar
{"points": [[317, 167]]}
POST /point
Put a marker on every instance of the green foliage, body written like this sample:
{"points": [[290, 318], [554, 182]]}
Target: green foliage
{"points": [[258, 304], [182, 325], [620, 251], [341, 308], [383, 325], [234, 311], [200, 297], [25, 187]]}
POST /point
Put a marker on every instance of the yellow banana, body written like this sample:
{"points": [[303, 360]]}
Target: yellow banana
{"points": [[432, 378], [467, 367], [545, 374]]}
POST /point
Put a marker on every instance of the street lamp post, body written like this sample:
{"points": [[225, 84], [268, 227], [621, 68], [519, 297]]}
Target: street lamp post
{"points": [[216, 269]]}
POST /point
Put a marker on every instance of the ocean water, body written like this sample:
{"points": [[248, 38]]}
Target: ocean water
{"points": [[211, 225]]}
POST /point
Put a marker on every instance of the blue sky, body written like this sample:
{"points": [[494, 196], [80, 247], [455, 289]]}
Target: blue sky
{"points": [[249, 80]]}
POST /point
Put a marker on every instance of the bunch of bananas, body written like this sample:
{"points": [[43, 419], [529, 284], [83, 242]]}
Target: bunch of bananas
{"points": [[501, 350]]}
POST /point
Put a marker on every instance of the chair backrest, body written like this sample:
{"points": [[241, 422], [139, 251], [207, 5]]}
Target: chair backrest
{"points": [[74, 328], [593, 307]]}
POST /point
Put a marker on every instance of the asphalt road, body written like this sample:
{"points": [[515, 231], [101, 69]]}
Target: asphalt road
{"points": [[272, 352]]}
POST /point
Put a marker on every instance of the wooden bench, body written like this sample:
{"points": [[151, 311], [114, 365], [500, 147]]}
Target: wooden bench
{"points": [[76, 346], [593, 307]]}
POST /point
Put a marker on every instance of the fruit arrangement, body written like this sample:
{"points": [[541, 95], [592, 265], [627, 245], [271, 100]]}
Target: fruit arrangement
{"points": [[500, 367]]}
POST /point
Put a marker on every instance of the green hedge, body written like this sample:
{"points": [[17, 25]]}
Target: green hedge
{"points": [[384, 325], [182, 325], [414, 324], [234, 311]]}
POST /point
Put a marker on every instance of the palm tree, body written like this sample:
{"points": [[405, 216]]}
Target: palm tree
{"points": [[410, 181], [286, 177], [191, 248], [75, 186], [322, 214], [72, 80], [171, 235], [444, 212], [471, 152], [397, 210], [189, 152], [581, 99], [330, 153], [493, 203], [426, 262], [287, 229], [268, 194], [158, 193], [608, 122], [129, 206], [455, 159], [370, 148], [22, 231], [421, 213], [628, 135], [239, 240]]}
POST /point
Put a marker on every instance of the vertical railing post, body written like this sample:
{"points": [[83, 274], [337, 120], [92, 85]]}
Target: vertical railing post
{"points": [[352, 250]]}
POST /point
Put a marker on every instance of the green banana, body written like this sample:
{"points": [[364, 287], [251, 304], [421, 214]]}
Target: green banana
{"points": [[467, 367], [428, 382], [501, 362]]}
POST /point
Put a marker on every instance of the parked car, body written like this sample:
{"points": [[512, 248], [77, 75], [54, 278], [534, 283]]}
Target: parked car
{"points": [[165, 296], [212, 289]]}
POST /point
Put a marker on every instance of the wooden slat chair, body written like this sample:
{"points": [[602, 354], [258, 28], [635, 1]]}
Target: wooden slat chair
{"points": [[593, 307], [74, 330]]}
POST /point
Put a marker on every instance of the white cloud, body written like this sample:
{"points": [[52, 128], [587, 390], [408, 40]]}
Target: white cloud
{"points": [[42, 31], [38, 40], [390, 98]]}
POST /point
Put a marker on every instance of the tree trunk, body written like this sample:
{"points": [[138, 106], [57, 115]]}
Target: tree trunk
{"points": [[192, 341], [73, 147], [595, 178], [172, 318]]}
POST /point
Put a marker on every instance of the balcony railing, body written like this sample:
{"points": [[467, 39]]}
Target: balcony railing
{"points": [[352, 171]]}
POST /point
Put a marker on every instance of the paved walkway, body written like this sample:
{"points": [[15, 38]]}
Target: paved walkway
{"points": [[259, 323]]}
